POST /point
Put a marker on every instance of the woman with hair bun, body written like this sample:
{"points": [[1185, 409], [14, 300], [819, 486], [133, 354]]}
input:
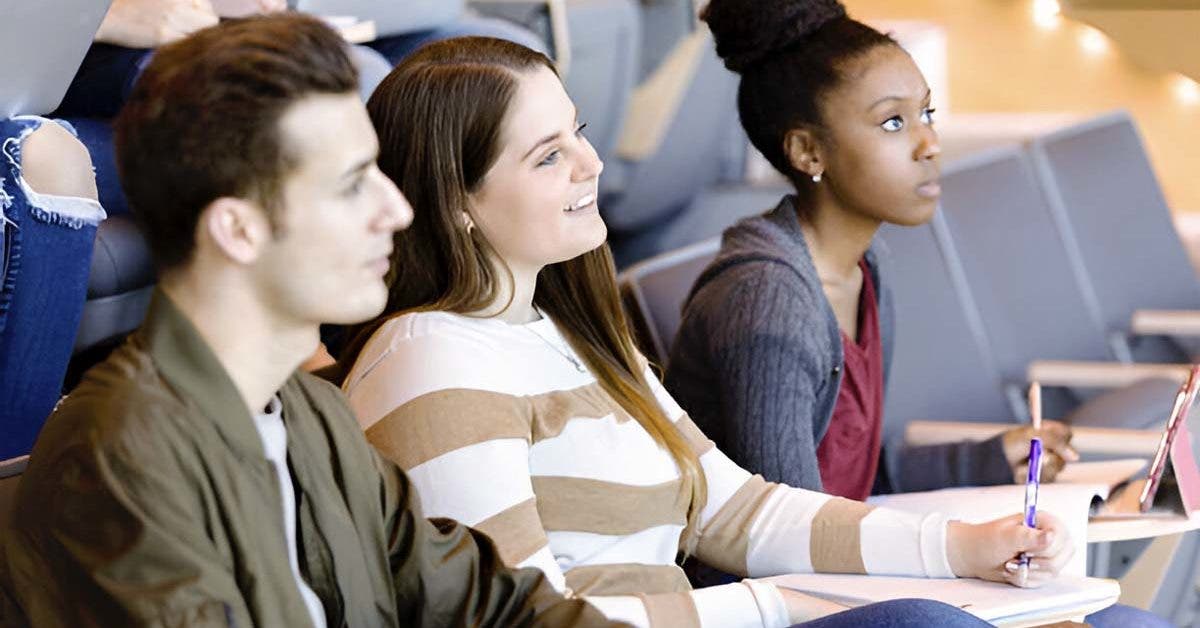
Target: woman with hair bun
{"points": [[503, 377], [783, 351], [784, 348]]}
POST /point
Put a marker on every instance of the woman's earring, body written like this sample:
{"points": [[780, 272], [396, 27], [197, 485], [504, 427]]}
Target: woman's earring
{"points": [[470, 226], [816, 178]]}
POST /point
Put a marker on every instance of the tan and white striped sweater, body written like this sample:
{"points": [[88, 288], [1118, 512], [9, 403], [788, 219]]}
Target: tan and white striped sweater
{"points": [[499, 430]]}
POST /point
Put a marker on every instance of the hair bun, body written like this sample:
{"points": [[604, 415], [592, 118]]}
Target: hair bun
{"points": [[747, 31]]}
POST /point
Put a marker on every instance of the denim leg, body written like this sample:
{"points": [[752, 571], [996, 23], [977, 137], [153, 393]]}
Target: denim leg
{"points": [[1122, 616], [396, 47], [45, 257], [900, 614], [99, 89]]}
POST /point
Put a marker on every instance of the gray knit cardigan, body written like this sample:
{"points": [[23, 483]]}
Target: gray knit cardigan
{"points": [[757, 364]]}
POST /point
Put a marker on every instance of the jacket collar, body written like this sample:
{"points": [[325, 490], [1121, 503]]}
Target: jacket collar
{"points": [[192, 370]]}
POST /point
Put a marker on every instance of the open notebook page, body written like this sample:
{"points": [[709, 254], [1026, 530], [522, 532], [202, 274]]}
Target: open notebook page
{"points": [[1001, 604]]}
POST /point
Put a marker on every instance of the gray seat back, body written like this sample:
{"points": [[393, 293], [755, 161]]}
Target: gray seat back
{"points": [[942, 366], [1029, 293], [119, 285], [712, 212], [605, 53], [691, 156], [10, 476], [1098, 178], [654, 291], [664, 23]]}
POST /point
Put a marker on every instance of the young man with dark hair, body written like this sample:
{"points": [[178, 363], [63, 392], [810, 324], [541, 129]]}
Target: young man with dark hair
{"points": [[196, 477]]}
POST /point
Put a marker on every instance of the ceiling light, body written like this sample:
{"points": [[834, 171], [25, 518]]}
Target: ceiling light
{"points": [[1046, 13], [1187, 90], [1093, 41]]}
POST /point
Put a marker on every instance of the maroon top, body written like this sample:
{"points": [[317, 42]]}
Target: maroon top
{"points": [[848, 455]]}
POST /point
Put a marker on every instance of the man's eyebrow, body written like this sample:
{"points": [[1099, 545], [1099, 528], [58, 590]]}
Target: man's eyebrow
{"points": [[359, 167]]}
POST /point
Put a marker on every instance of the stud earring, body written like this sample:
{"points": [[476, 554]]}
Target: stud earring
{"points": [[816, 178]]}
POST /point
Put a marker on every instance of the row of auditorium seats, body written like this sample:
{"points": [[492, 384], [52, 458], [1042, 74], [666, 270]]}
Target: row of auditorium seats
{"points": [[1048, 251]]}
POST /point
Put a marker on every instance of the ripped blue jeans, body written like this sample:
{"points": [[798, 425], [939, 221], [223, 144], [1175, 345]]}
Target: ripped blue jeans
{"points": [[45, 257]]}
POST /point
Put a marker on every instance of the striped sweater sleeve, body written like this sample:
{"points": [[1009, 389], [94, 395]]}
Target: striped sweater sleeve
{"points": [[753, 527], [466, 451]]}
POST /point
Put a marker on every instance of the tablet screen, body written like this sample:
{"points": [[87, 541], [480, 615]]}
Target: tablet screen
{"points": [[1183, 403]]}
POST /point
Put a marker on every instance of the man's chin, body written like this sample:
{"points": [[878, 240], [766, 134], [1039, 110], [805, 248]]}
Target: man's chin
{"points": [[349, 313]]}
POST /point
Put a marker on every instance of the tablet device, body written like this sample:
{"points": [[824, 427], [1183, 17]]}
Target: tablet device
{"points": [[1183, 403], [41, 46], [1142, 497]]}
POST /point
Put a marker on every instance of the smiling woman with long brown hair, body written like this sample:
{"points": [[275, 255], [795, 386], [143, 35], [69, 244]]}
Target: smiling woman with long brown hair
{"points": [[504, 379]]}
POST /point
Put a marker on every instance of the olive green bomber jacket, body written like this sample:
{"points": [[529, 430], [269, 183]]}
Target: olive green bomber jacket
{"points": [[149, 501]]}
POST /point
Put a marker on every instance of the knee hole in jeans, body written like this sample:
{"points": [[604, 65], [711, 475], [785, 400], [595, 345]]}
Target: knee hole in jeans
{"points": [[55, 163]]}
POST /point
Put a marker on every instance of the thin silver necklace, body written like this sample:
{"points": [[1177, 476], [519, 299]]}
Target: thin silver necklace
{"points": [[566, 354]]}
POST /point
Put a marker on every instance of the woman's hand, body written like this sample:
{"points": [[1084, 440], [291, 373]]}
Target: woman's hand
{"points": [[153, 23], [1056, 448], [989, 550]]}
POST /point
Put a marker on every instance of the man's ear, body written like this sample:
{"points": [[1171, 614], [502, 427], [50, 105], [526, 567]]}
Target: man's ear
{"points": [[238, 228], [803, 150]]}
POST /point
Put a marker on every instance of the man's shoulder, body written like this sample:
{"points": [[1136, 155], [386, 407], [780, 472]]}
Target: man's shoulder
{"points": [[121, 400]]}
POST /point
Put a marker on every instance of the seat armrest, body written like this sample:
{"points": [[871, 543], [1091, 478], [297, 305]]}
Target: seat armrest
{"points": [[1087, 440], [1081, 374], [1165, 322]]}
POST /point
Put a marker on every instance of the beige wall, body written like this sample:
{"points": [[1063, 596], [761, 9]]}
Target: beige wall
{"points": [[1000, 61]]}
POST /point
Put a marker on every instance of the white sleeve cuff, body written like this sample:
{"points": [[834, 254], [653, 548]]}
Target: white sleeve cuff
{"points": [[770, 602], [935, 556]]}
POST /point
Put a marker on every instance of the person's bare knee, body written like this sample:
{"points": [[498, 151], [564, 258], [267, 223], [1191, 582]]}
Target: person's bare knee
{"points": [[54, 162]]}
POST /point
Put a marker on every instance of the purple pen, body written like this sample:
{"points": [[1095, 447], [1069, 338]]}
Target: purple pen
{"points": [[1032, 481]]}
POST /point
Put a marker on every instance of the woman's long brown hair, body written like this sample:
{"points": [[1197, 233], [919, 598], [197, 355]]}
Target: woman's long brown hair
{"points": [[439, 117]]}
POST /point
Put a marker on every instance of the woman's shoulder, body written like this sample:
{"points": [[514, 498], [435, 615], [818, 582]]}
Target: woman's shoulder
{"points": [[755, 293], [428, 325], [419, 352]]}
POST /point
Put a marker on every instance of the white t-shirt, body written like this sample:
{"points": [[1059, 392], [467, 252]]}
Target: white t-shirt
{"points": [[274, 439]]}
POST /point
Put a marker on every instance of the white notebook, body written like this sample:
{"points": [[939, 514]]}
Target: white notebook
{"points": [[1070, 503], [1064, 598]]}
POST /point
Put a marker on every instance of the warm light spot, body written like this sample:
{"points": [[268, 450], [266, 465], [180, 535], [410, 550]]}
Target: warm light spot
{"points": [[1093, 41], [1046, 13], [1187, 90]]}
